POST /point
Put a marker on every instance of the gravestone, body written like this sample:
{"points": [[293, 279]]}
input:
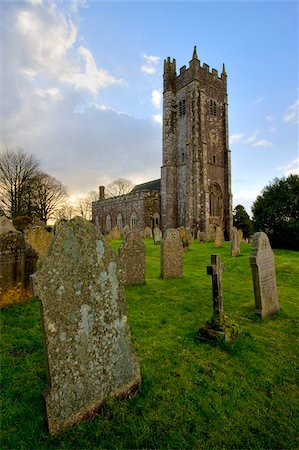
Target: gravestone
{"points": [[240, 235], [235, 242], [211, 233], [60, 223], [115, 234], [157, 235], [220, 326], [171, 254], [132, 255], [263, 275], [125, 230], [218, 237], [6, 225], [86, 327], [17, 263], [40, 240], [147, 233], [184, 237]]}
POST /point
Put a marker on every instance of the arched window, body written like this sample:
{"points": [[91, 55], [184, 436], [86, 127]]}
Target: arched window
{"points": [[108, 223], [156, 220], [213, 108], [119, 221], [216, 204], [133, 221]]}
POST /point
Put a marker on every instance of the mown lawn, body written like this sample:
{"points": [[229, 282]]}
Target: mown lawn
{"points": [[193, 394]]}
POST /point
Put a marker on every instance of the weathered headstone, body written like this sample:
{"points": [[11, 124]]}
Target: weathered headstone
{"points": [[218, 237], [17, 263], [240, 234], [58, 224], [211, 233], [6, 225], [86, 328], [147, 233], [220, 326], [115, 234], [132, 255], [263, 274], [40, 240], [184, 237], [171, 254], [235, 242], [157, 235]]}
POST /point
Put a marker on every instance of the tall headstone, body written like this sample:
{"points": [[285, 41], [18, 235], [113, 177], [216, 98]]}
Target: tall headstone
{"points": [[211, 233], [157, 235], [220, 326], [171, 254], [132, 255], [6, 225], [40, 240], [240, 234], [264, 277], [235, 242], [184, 237], [218, 237], [86, 327], [17, 263], [147, 233]]}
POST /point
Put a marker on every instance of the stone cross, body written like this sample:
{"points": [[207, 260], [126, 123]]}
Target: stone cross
{"points": [[216, 270]]}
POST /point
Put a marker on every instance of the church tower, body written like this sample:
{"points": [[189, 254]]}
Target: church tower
{"points": [[196, 172]]}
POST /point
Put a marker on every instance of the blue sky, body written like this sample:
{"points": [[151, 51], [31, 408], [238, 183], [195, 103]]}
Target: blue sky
{"points": [[81, 85]]}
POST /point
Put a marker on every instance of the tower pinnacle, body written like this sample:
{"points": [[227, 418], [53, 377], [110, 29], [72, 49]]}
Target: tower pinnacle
{"points": [[194, 56]]}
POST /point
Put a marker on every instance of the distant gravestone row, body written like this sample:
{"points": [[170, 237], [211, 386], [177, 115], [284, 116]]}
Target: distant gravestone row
{"points": [[85, 322]]}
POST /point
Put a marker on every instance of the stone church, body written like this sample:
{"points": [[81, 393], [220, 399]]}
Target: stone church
{"points": [[195, 186]]}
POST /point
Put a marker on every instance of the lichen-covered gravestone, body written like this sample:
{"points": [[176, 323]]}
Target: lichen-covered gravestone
{"points": [[132, 254], [6, 225], [171, 254], [235, 242], [40, 240], [263, 274], [184, 237], [17, 263], [85, 322], [157, 235], [218, 237]]}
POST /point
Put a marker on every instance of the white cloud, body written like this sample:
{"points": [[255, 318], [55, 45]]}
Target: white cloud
{"points": [[254, 142], [52, 93], [292, 113], [234, 138], [158, 118], [156, 98], [251, 139], [273, 130], [50, 38], [151, 64], [291, 169], [269, 118], [259, 100]]}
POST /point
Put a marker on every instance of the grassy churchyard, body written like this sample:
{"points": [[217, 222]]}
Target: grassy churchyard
{"points": [[193, 394]]}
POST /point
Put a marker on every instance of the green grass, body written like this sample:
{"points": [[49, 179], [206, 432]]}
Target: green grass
{"points": [[193, 394]]}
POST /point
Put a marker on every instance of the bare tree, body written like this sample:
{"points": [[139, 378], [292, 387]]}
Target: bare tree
{"points": [[48, 196], [118, 187], [66, 211], [17, 173]]}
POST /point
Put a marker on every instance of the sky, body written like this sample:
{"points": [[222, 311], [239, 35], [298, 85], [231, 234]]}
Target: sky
{"points": [[81, 85]]}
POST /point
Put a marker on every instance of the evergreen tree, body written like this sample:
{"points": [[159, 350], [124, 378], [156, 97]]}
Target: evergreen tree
{"points": [[241, 220], [276, 212]]}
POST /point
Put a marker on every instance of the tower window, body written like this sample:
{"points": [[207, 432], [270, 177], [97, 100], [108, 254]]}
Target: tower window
{"points": [[182, 108], [213, 108], [214, 159]]}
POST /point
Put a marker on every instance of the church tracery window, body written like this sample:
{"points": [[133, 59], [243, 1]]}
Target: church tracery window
{"points": [[182, 107], [133, 221], [108, 223], [119, 221], [215, 200], [213, 108]]}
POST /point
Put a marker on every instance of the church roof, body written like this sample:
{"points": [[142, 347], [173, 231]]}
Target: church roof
{"points": [[154, 185]]}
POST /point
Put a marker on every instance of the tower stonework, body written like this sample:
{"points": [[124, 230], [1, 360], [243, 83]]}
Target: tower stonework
{"points": [[196, 172]]}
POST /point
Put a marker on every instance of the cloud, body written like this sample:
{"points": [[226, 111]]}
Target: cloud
{"points": [[234, 138], [156, 98], [259, 100], [158, 118], [291, 169], [292, 113], [269, 118], [50, 43], [254, 142], [150, 66], [51, 93]]}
